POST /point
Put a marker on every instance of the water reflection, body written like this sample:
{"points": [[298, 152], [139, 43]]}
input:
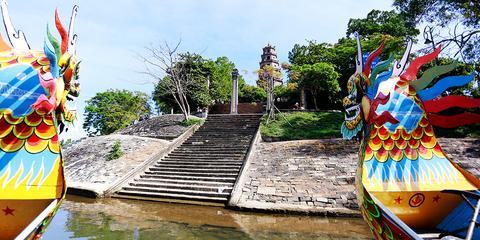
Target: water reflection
{"points": [[81, 218]]}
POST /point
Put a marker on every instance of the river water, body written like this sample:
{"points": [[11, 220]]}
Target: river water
{"points": [[81, 218]]}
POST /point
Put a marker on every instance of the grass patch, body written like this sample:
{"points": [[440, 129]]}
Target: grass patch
{"points": [[317, 125], [116, 151], [304, 125], [191, 121]]}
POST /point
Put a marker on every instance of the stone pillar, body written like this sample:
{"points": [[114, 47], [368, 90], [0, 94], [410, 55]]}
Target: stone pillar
{"points": [[270, 85], [234, 100], [270, 97]]}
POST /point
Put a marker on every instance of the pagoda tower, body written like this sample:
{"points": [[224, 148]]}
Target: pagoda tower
{"points": [[269, 58]]}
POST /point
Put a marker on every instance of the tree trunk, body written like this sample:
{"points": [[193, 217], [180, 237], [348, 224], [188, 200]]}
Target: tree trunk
{"points": [[303, 98], [314, 96]]}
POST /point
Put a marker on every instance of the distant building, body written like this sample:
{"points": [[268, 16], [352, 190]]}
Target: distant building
{"points": [[269, 58]]}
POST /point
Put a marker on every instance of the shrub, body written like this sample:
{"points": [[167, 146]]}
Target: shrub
{"points": [[191, 121], [116, 151]]}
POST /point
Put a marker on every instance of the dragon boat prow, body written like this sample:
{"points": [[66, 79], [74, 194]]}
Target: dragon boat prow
{"points": [[34, 86], [407, 187]]}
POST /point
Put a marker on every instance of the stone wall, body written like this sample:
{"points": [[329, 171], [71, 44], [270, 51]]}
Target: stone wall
{"points": [[317, 176], [87, 170], [163, 127]]}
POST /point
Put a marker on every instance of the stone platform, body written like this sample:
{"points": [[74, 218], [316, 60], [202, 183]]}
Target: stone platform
{"points": [[317, 176]]}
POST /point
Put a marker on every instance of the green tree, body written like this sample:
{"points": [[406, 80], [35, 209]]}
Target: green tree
{"points": [[455, 24], [321, 80], [220, 75], [209, 82], [310, 53], [341, 54], [383, 22], [113, 110], [251, 94], [440, 11]]}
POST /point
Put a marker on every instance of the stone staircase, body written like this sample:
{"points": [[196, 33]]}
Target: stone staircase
{"points": [[203, 169]]}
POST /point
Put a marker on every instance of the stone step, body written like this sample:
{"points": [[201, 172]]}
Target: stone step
{"points": [[216, 145], [216, 142], [188, 177], [230, 120], [201, 151], [177, 165], [222, 136], [204, 168], [195, 170], [227, 120], [178, 191], [202, 147], [232, 139], [183, 186], [233, 130], [172, 195], [194, 174], [181, 181], [200, 162], [205, 156], [181, 162]]}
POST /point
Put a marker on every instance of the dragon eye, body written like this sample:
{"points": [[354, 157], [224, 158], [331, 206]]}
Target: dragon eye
{"points": [[77, 70], [65, 67]]}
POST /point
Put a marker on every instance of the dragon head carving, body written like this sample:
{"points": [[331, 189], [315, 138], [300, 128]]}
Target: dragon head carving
{"points": [[57, 65], [392, 95]]}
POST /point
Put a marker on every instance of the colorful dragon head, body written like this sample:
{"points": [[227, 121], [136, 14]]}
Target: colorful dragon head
{"points": [[58, 68], [394, 97]]}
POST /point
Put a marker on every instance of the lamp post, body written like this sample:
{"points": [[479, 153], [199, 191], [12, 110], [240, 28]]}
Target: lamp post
{"points": [[234, 101]]}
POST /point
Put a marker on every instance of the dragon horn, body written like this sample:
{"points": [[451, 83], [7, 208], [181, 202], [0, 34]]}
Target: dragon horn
{"points": [[398, 67], [72, 37], [16, 38], [359, 60]]}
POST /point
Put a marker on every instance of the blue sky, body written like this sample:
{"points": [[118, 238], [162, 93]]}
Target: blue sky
{"points": [[112, 33]]}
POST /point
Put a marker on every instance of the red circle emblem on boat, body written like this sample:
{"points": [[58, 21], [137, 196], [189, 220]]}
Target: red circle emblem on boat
{"points": [[416, 200]]}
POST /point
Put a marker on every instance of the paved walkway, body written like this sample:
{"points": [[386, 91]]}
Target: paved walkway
{"points": [[317, 176]]}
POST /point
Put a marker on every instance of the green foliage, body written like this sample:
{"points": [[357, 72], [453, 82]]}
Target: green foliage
{"points": [[162, 97], [311, 53], [304, 125], [220, 72], [439, 15], [321, 80], [287, 94], [341, 55], [441, 12], [65, 142], [113, 110], [116, 151], [210, 82], [382, 22], [191, 121], [250, 94]]}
